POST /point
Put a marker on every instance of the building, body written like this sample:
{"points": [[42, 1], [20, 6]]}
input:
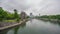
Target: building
{"points": [[31, 15], [23, 15], [39, 14]]}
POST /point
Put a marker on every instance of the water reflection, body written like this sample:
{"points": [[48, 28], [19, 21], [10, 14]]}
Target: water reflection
{"points": [[18, 27], [15, 29], [56, 23], [4, 32], [35, 26], [30, 20]]}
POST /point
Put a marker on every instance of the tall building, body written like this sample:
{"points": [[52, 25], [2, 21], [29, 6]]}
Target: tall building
{"points": [[39, 14], [31, 15]]}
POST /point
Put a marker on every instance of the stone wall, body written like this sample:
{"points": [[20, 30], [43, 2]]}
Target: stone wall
{"points": [[2, 24]]}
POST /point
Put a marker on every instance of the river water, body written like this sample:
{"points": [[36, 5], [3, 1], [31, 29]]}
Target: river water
{"points": [[34, 26]]}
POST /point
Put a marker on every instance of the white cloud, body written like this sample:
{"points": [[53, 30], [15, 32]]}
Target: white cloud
{"points": [[34, 6]]}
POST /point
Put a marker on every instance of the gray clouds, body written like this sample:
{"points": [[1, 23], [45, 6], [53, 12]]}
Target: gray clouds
{"points": [[44, 7]]}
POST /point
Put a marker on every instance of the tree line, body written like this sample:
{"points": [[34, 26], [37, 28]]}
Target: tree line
{"points": [[5, 15], [51, 16]]}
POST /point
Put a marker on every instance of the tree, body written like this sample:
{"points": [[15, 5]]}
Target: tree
{"points": [[3, 14], [15, 13]]}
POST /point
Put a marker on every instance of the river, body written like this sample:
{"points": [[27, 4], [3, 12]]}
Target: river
{"points": [[34, 26]]}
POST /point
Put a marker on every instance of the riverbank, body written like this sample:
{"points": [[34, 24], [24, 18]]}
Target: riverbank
{"points": [[51, 20], [12, 25]]}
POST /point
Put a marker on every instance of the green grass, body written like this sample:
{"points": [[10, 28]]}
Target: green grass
{"points": [[9, 20]]}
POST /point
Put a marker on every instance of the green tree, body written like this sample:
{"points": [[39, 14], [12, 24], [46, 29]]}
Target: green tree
{"points": [[10, 16], [15, 13], [3, 14]]}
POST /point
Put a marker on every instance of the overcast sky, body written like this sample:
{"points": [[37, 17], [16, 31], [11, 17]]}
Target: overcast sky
{"points": [[44, 7]]}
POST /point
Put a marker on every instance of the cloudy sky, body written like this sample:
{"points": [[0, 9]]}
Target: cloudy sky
{"points": [[43, 7]]}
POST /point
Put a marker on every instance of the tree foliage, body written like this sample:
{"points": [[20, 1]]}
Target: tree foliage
{"points": [[6, 15], [15, 13], [51, 16]]}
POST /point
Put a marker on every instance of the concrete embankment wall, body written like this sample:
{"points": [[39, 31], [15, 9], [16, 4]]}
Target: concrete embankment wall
{"points": [[11, 25]]}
